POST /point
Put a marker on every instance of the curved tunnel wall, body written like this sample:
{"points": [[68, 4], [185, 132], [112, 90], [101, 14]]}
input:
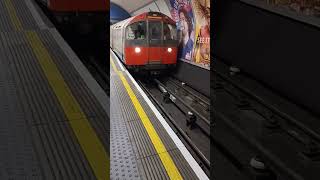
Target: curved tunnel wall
{"points": [[117, 13]]}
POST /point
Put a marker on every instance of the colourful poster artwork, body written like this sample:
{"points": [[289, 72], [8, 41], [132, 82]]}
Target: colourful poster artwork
{"points": [[193, 25], [182, 13], [201, 9]]}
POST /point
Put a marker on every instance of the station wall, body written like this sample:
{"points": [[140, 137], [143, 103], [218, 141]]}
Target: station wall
{"points": [[193, 23]]}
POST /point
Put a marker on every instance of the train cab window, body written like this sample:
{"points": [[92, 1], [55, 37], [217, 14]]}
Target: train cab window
{"points": [[169, 32], [155, 30], [136, 31]]}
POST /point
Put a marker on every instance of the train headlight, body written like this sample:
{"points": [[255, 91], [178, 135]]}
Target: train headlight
{"points": [[169, 50], [137, 50]]}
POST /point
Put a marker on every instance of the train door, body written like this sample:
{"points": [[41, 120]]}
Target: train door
{"points": [[155, 42]]}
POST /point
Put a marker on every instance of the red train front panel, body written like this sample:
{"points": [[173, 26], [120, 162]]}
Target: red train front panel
{"points": [[135, 55], [150, 42], [169, 55]]}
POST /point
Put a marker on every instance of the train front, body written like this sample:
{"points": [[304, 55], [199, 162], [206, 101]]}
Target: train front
{"points": [[151, 44]]}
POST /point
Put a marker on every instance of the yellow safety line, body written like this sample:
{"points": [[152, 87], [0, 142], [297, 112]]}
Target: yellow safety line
{"points": [[85, 134], [165, 157], [13, 15], [87, 138]]}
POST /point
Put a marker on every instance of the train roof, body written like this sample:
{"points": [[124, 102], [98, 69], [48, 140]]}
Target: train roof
{"points": [[141, 17]]}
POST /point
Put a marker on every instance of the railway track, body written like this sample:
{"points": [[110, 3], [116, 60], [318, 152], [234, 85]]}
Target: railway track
{"points": [[195, 136], [202, 99], [284, 143], [195, 108]]}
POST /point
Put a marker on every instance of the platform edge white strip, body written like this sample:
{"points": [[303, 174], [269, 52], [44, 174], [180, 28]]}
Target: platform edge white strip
{"points": [[35, 14], [121, 67]]}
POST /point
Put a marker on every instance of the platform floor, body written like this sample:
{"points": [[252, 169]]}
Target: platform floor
{"points": [[53, 114], [143, 146]]}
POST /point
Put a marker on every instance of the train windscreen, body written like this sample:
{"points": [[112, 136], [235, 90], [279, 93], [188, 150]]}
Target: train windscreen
{"points": [[155, 30], [155, 34], [136, 31]]}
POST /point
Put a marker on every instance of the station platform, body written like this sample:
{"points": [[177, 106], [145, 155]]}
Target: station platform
{"points": [[53, 114], [143, 145]]}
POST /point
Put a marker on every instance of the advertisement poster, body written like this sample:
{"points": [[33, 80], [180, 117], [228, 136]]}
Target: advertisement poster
{"points": [[182, 13], [201, 9], [193, 25]]}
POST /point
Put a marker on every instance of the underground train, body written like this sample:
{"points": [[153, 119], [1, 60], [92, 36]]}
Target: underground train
{"points": [[146, 42], [83, 15]]}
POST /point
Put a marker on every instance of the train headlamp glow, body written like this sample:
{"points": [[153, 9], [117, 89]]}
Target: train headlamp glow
{"points": [[169, 50], [137, 50]]}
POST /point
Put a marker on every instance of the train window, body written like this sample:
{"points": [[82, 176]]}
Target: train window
{"points": [[136, 31], [169, 31], [155, 30]]}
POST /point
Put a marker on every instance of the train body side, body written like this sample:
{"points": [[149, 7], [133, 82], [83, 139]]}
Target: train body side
{"points": [[117, 33]]}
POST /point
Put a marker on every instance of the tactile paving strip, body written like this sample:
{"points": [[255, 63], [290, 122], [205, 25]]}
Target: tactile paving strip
{"points": [[123, 163], [18, 159], [35, 91], [5, 24]]}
